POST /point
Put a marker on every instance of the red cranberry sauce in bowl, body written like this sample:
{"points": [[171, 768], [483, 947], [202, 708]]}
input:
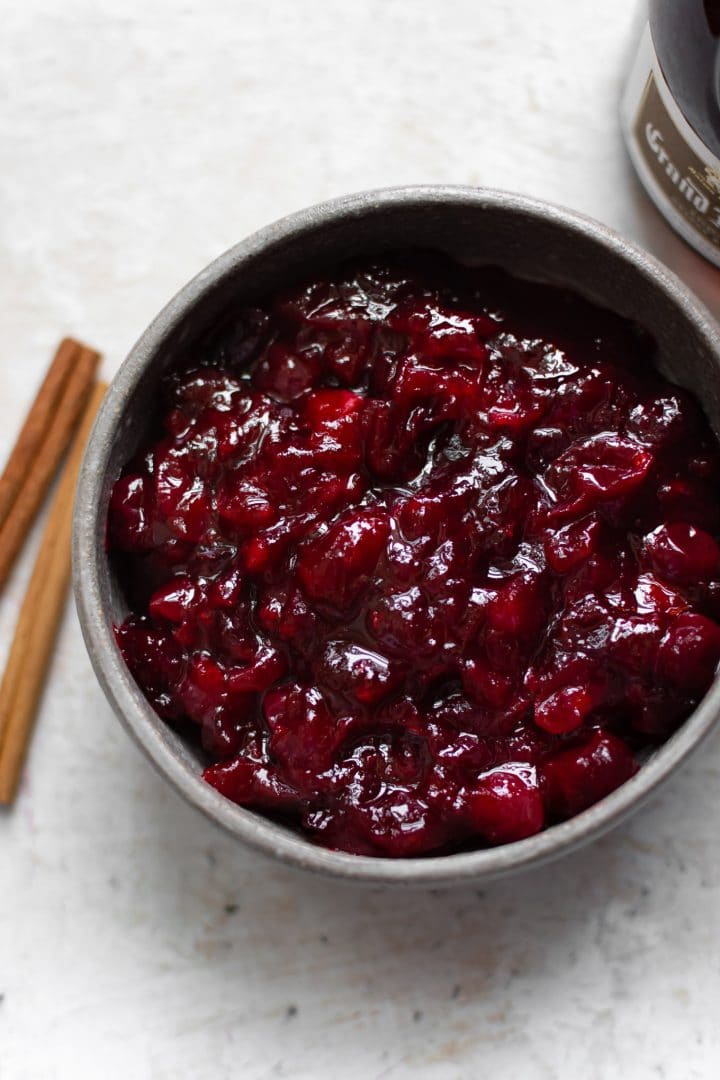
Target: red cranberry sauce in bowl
{"points": [[424, 556]]}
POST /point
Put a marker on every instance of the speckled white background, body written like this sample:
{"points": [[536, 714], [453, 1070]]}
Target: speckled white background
{"points": [[137, 141]]}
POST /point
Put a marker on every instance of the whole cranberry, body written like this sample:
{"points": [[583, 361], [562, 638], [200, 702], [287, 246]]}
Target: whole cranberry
{"points": [[689, 653], [576, 778], [505, 806], [681, 552]]}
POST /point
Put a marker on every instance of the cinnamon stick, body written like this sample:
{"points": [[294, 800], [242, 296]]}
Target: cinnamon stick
{"points": [[33, 430], [43, 447], [39, 617]]}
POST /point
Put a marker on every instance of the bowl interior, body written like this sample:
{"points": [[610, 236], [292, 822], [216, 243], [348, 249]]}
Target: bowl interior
{"points": [[528, 239]]}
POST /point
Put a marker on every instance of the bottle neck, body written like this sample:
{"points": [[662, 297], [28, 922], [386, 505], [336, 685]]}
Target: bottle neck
{"points": [[686, 37]]}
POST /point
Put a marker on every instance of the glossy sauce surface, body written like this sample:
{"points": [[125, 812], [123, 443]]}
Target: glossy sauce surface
{"points": [[423, 556]]}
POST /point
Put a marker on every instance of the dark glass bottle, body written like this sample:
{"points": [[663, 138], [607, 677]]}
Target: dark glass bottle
{"points": [[671, 117]]}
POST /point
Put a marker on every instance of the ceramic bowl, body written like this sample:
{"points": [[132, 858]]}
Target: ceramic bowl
{"points": [[532, 240]]}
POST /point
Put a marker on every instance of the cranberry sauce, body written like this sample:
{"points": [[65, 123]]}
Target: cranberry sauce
{"points": [[423, 555]]}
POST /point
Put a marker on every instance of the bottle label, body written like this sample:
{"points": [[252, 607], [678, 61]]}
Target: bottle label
{"points": [[679, 172]]}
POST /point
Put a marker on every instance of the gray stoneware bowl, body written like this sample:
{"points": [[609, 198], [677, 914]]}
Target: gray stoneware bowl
{"points": [[531, 239]]}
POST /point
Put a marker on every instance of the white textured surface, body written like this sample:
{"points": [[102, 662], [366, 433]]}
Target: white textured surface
{"points": [[137, 141]]}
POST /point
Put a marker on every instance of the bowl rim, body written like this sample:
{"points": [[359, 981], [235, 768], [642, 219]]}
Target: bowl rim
{"points": [[134, 711]]}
